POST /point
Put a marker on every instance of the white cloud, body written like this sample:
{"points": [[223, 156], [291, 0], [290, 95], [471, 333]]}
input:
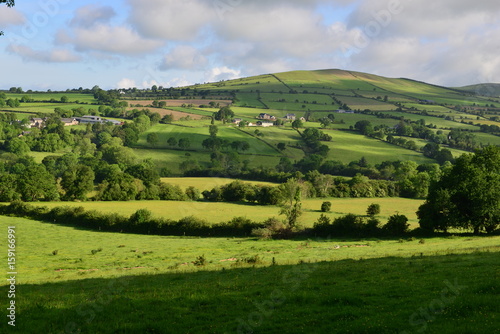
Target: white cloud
{"points": [[126, 83], [10, 16], [51, 56], [171, 19], [184, 57], [92, 14], [117, 40], [222, 73]]}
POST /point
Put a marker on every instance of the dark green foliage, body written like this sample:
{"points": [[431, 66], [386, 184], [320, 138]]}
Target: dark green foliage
{"points": [[193, 193], [365, 127], [169, 192], [272, 229], [373, 209], [397, 225], [326, 206], [167, 119], [349, 225], [224, 114], [141, 222], [467, 196]]}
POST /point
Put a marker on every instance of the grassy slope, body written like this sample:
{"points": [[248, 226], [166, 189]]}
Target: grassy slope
{"points": [[138, 284]]}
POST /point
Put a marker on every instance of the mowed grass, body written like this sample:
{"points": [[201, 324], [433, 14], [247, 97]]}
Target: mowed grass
{"points": [[214, 212], [149, 284]]}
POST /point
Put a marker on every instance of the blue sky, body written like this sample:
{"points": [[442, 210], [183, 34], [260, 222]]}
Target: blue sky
{"points": [[60, 44]]}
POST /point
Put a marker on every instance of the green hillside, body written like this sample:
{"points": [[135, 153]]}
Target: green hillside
{"points": [[385, 102], [486, 89]]}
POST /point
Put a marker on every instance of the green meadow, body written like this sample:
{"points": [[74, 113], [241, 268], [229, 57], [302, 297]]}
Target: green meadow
{"points": [[72, 280], [216, 212]]}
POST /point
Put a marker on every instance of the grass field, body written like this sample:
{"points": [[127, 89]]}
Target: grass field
{"points": [[150, 284], [207, 183], [220, 212], [348, 146]]}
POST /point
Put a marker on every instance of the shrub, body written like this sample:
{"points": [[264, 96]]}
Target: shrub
{"points": [[326, 206], [397, 225], [193, 193], [141, 216], [373, 209], [273, 228], [200, 261]]}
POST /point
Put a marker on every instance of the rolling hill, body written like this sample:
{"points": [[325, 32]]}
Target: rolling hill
{"points": [[384, 102]]}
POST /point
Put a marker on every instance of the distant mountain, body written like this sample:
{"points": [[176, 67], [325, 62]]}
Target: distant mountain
{"points": [[486, 89]]}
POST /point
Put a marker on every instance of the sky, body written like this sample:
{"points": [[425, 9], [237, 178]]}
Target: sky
{"points": [[61, 44]]}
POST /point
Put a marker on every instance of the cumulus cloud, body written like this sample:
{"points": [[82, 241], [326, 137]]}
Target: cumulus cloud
{"points": [[46, 56], [126, 83], [184, 57], [170, 19], [222, 73], [104, 38], [448, 42], [92, 14], [10, 16]]}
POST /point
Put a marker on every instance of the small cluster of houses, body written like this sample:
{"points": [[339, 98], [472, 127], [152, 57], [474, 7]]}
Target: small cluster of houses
{"points": [[40, 122], [267, 120]]}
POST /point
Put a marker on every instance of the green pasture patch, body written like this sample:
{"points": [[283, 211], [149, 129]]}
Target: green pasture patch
{"points": [[53, 253], [487, 138], [42, 96], [208, 183], [275, 135], [249, 99], [352, 119], [349, 146], [141, 284], [438, 121], [360, 103], [216, 212]]}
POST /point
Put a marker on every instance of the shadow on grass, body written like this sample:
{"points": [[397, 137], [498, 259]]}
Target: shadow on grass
{"points": [[353, 296]]}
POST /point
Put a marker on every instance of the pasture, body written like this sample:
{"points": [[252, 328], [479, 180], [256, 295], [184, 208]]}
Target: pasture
{"points": [[216, 212], [77, 280]]}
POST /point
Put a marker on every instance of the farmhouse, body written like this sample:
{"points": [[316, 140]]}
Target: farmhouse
{"points": [[265, 124], [265, 116], [236, 120], [290, 117], [36, 123], [69, 121]]}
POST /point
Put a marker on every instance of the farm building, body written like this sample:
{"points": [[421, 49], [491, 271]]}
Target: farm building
{"points": [[265, 124], [69, 121], [290, 117], [87, 119], [236, 120], [36, 123], [265, 116]]}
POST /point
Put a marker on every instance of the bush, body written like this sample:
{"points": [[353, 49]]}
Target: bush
{"points": [[200, 261], [326, 206], [397, 225], [273, 229], [373, 209], [193, 193]]}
